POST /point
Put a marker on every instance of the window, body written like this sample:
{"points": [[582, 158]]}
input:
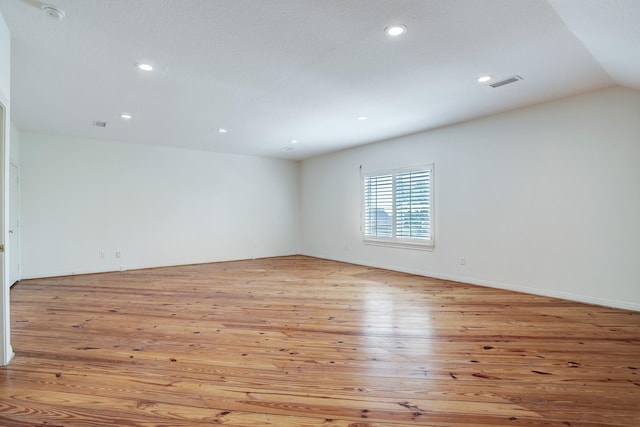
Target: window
{"points": [[398, 207]]}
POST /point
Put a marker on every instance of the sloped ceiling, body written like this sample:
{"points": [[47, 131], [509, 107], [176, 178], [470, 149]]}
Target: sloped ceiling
{"points": [[272, 71], [610, 30]]}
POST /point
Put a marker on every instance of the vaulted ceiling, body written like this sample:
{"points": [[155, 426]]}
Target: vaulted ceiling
{"points": [[271, 72]]}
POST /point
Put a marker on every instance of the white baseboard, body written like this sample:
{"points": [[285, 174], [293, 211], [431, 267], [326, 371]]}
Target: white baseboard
{"points": [[132, 267], [463, 279], [64, 273], [498, 285]]}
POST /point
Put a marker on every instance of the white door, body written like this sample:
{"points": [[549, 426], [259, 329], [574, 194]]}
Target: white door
{"points": [[14, 225]]}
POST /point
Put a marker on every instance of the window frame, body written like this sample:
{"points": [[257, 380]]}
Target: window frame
{"points": [[427, 244]]}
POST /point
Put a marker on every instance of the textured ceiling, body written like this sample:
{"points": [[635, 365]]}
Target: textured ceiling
{"points": [[271, 71]]}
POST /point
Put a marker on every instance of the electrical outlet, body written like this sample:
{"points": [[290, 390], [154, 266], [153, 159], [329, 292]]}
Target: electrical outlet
{"points": [[462, 261], [103, 254], [118, 254]]}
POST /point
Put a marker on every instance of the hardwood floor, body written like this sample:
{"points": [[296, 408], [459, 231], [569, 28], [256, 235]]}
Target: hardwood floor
{"points": [[297, 341]]}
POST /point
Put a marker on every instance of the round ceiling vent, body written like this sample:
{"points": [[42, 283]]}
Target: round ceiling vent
{"points": [[53, 12]]}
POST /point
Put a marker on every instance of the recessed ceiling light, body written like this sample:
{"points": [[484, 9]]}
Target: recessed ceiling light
{"points": [[395, 30], [145, 67], [125, 116], [362, 118], [294, 141], [222, 130], [485, 78]]}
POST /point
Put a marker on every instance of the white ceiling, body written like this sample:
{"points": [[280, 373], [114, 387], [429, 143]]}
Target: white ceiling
{"points": [[274, 70]]}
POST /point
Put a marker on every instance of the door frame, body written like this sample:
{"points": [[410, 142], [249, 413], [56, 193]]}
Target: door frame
{"points": [[14, 232], [6, 351]]}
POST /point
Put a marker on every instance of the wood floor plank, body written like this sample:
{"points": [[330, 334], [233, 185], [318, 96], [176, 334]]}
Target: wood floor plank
{"points": [[298, 341]]}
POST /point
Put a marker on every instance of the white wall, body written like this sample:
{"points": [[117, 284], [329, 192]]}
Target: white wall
{"points": [[5, 59], [14, 155], [156, 206], [542, 200]]}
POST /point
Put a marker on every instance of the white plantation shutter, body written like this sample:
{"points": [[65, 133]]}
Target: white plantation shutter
{"points": [[398, 207], [413, 205], [378, 205]]}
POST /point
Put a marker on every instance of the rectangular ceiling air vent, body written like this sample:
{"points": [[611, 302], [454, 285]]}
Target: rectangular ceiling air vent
{"points": [[100, 124], [511, 79]]}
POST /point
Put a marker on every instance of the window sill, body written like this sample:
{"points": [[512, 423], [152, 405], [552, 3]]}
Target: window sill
{"points": [[420, 246]]}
